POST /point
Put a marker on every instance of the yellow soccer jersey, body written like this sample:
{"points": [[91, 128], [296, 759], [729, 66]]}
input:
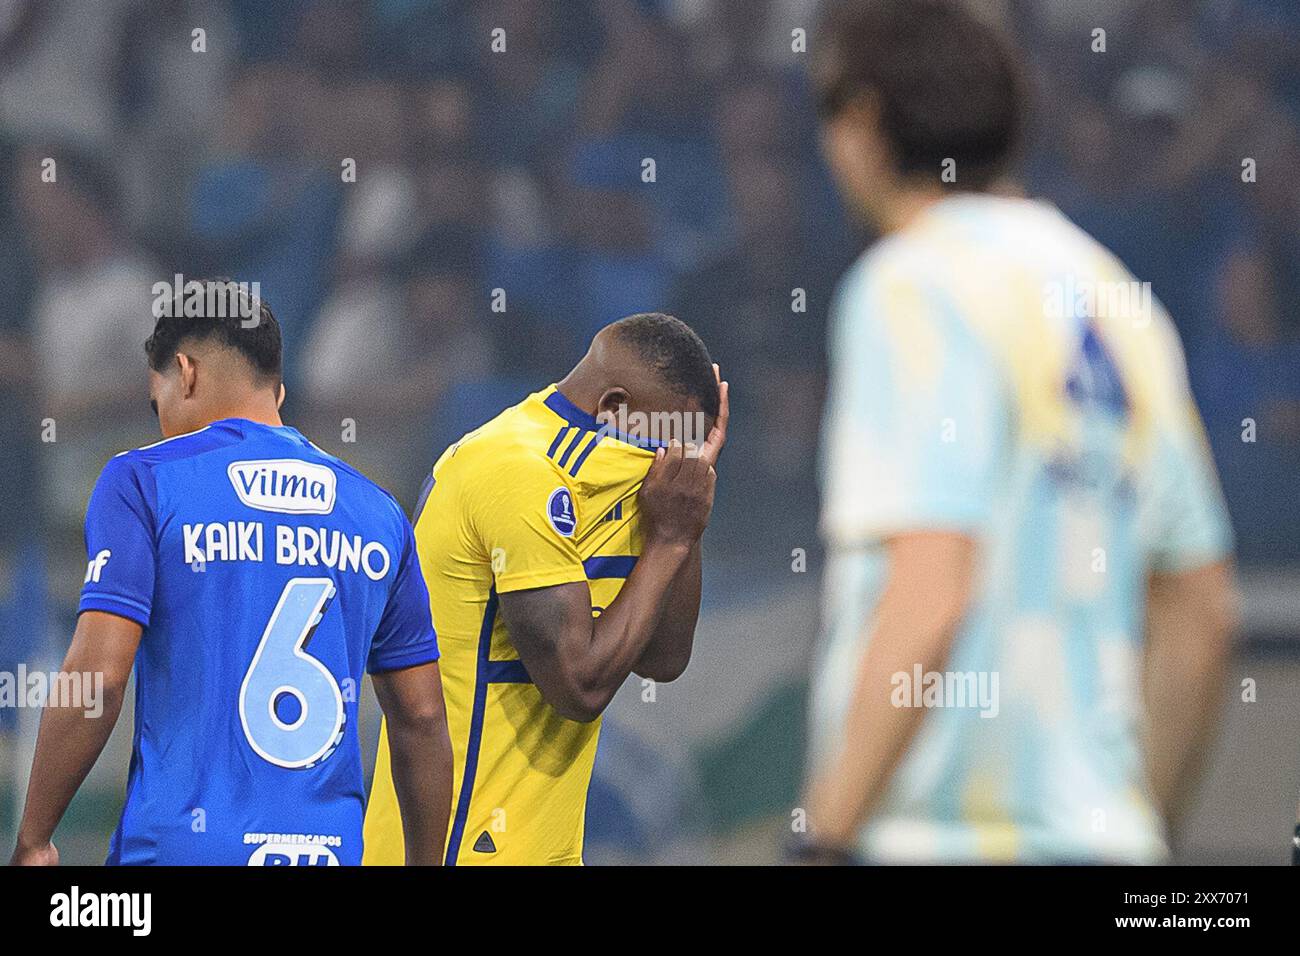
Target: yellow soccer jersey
{"points": [[538, 496]]}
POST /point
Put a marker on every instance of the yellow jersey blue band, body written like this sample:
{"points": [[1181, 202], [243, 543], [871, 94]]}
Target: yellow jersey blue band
{"points": [[542, 495]]}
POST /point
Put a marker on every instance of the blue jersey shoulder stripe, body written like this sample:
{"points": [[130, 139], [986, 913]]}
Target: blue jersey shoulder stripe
{"points": [[609, 566], [568, 451], [559, 437], [586, 451], [423, 499], [488, 672]]}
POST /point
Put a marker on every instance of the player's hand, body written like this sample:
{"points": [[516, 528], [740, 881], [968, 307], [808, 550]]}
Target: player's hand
{"points": [[676, 497], [712, 446], [47, 855]]}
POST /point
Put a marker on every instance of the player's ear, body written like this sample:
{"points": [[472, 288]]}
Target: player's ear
{"points": [[279, 402], [188, 372], [612, 400]]}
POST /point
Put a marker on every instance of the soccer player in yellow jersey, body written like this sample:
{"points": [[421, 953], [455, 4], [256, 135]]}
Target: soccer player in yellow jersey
{"points": [[561, 547]]}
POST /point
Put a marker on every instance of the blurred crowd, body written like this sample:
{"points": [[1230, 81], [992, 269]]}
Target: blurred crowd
{"points": [[529, 170], [1179, 149]]}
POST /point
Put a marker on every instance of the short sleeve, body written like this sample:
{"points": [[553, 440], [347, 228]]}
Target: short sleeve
{"points": [[121, 553], [526, 520], [916, 416], [405, 636], [1183, 517]]}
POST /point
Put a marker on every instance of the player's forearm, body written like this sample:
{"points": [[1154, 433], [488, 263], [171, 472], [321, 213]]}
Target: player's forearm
{"points": [[624, 629], [421, 768], [420, 757], [876, 733], [669, 650], [916, 621], [1190, 622], [69, 742]]}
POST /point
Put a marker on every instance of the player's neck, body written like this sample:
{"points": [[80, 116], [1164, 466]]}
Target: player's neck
{"points": [[577, 388], [906, 206], [262, 413], [272, 419]]}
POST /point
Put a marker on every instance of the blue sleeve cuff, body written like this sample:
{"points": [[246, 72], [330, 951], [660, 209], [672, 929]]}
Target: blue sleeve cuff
{"points": [[125, 607], [410, 656]]}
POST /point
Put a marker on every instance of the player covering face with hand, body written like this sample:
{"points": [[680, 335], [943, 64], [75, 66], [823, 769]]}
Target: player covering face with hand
{"points": [[561, 547], [251, 580]]}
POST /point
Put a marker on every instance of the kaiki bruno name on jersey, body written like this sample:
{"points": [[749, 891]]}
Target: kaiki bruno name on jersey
{"points": [[288, 486], [292, 545]]}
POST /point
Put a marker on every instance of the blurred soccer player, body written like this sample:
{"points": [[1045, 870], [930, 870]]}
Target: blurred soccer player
{"points": [[251, 578], [561, 546], [1025, 532]]}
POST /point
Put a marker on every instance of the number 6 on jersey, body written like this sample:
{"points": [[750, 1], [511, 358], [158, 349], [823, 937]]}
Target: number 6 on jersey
{"points": [[282, 669]]}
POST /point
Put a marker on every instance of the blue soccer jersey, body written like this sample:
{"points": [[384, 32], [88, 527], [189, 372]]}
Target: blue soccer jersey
{"points": [[267, 576]]}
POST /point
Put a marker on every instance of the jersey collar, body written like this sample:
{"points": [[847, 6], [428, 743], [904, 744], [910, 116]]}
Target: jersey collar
{"points": [[574, 415]]}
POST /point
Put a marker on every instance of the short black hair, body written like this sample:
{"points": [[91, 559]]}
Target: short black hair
{"points": [[678, 356], [950, 84], [258, 341]]}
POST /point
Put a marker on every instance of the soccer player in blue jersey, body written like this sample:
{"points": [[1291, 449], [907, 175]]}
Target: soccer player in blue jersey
{"points": [[1028, 598], [251, 579]]}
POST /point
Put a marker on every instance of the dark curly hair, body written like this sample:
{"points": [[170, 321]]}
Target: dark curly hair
{"points": [[258, 341]]}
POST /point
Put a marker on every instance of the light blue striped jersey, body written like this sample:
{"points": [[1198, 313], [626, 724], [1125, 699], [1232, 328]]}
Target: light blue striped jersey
{"points": [[997, 372]]}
